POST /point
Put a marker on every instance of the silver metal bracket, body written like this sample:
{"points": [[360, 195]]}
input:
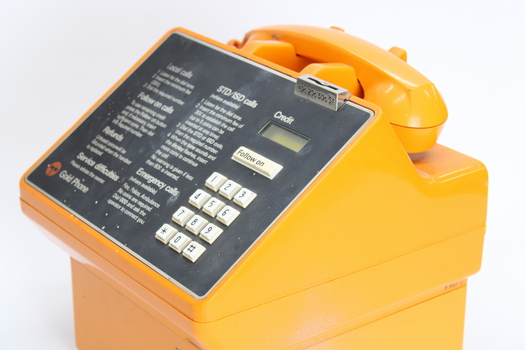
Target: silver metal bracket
{"points": [[321, 92]]}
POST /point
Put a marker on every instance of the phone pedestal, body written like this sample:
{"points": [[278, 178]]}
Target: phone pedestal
{"points": [[108, 319]]}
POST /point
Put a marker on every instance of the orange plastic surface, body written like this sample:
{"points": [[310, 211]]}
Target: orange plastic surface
{"points": [[434, 324], [106, 320], [376, 233]]}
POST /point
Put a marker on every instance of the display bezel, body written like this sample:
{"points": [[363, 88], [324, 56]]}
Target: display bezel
{"points": [[284, 136]]}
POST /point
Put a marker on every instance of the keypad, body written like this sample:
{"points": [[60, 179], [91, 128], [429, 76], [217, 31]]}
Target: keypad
{"points": [[215, 213]]}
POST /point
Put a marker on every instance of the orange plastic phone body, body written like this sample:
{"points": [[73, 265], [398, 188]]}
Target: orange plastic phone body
{"points": [[405, 233]]}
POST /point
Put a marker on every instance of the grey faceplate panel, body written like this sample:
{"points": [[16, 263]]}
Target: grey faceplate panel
{"points": [[158, 136]]}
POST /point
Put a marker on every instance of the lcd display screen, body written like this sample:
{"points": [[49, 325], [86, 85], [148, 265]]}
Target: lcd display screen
{"points": [[284, 136]]}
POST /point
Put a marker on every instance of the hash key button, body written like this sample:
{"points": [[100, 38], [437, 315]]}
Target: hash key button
{"points": [[193, 251]]}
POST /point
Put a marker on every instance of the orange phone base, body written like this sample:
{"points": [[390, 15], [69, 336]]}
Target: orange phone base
{"points": [[374, 253], [433, 323]]}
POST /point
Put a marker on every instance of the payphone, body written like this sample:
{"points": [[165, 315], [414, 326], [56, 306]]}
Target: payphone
{"points": [[281, 192]]}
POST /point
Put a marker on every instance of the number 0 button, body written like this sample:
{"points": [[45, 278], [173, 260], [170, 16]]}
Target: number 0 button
{"points": [[179, 242], [227, 215]]}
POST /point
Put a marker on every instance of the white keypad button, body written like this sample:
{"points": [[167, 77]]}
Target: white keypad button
{"points": [[257, 162], [244, 197], [210, 233], [196, 224], [193, 251], [227, 215], [212, 207], [215, 181], [229, 189], [199, 198], [182, 216], [179, 242], [165, 233]]}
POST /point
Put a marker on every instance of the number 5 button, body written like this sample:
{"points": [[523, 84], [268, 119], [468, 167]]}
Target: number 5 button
{"points": [[227, 215], [212, 207]]}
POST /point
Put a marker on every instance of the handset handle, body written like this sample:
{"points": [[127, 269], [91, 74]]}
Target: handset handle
{"points": [[409, 100]]}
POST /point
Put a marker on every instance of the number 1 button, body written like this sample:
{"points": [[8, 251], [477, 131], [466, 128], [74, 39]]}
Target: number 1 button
{"points": [[215, 181]]}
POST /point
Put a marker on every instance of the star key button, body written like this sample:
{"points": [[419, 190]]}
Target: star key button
{"points": [[165, 233]]}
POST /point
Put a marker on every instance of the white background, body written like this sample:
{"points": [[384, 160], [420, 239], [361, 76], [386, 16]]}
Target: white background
{"points": [[58, 57]]}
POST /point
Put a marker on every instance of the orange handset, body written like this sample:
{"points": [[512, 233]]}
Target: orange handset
{"points": [[409, 100]]}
